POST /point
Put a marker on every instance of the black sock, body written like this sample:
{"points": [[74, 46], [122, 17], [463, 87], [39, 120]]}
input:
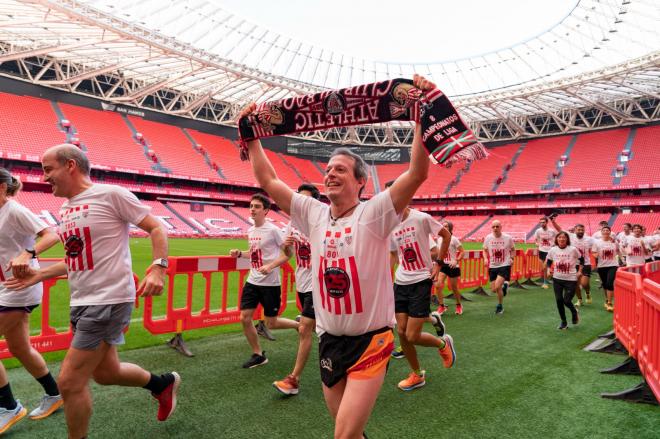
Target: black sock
{"points": [[48, 383], [7, 398], [158, 383]]}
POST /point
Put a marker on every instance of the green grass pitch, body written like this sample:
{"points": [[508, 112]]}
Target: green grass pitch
{"points": [[516, 376]]}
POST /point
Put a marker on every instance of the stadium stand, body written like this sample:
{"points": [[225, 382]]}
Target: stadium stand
{"points": [[43, 204], [309, 171], [107, 138], [483, 174], [213, 220], [284, 171], [173, 149], [645, 157], [649, 220], [225, 154], [535, 164], [29, 126], [593, 159], [518, 226], [175, 226], [464, 224]]}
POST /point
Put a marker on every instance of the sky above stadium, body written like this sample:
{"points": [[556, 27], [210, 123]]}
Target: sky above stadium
{"points": [[395, 31]]}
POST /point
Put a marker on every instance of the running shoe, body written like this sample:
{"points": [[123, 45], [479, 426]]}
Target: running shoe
{"points": [[562, 326], [588, 299], [578, 303], [256, 360], [505, 288], [413, 382], [167, 398], [10, 417], [263, 331], [499, 309], [447, 352], [287, 386], [398, 353], [576, 318], [459, 310], [47, 406], [609, 307], [545, 286], [442, 308], [436, 321]]}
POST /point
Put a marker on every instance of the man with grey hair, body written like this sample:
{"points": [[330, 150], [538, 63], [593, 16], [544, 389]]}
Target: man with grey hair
{"points": [[352, 285], [94, 230]]}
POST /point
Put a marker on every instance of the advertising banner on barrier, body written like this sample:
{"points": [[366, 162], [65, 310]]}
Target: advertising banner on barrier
{"points": [[203, 280]]}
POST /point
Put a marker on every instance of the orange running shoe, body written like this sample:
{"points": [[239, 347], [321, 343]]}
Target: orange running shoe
{"points": [[413, 382], [287, 386], [447, 352]]}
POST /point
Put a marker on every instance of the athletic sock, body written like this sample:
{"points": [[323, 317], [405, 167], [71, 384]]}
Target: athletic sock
{"points": [[418, 372], [7, 398], [158, 383], [48, 383], [444, 343]]}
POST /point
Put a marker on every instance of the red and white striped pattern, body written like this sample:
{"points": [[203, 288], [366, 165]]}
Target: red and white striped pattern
{"points": [[352, 301]]}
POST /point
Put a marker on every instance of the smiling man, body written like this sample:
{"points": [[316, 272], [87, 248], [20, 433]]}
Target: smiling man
{"points": [[94, 230], [352, 285]]}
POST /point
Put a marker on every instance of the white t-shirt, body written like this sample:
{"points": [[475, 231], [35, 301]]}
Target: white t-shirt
{"points": [[622, 237], [598, 235], [636, 250], [656, 253], [545, 239], [606, 252], [265, 244], [454, 244], [500, 250], [584, 246], [352, 284], [565, 261], [18, 228], [94, 230], [303, 259], [650, 243], [411, 240]]}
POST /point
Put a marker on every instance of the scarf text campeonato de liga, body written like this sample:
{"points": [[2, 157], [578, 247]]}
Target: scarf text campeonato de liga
{"points": [[444, 134]]}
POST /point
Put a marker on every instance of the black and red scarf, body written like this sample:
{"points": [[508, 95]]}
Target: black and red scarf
{"points": [[444, 134]]}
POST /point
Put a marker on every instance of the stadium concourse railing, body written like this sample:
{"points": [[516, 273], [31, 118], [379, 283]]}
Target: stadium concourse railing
{"points": [[182, 308], [636, 320]]}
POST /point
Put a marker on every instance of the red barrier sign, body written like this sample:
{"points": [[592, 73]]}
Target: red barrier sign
{"points": [[185, 318]]}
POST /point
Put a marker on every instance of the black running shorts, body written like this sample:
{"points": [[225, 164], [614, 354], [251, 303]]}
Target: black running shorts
{"points": [[586, 270], [505, 272], [307, 304], [451, 272], [543, 255], [355, 356], [267, 296], [413, 299]]}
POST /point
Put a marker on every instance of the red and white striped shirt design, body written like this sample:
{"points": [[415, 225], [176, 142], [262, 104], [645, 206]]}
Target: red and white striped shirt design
{"points": [[78, 246], [339, 283]]}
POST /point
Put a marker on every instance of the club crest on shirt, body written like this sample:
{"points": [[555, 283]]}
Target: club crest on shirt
{"points": [[304, 252], [337, 282], [409, 254], [74, 246]]}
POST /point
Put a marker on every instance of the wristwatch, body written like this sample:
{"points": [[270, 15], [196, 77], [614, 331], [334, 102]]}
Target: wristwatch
{"points": [[161, 262], [32, 252]]}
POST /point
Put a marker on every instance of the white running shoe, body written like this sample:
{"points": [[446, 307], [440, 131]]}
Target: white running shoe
{"points": [[10, 417], [47, 406]]}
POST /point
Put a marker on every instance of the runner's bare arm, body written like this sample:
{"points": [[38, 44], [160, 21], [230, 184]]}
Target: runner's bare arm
{"points": [[264, 172], [152, 284], [20, 265], [446, 240], [35, 276], [407, 183]]}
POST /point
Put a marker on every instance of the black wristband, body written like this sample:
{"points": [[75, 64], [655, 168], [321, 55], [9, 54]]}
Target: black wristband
{"points": [[32, 251]]}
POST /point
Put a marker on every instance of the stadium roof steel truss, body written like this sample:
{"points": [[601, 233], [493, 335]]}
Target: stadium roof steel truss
{"points": [[75, 47]]}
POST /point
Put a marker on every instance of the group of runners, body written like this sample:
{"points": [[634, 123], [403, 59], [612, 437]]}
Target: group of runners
{"points": [[344, 252]]}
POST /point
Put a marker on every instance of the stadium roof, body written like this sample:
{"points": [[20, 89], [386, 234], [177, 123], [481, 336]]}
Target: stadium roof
{"points": [[599, 66]]}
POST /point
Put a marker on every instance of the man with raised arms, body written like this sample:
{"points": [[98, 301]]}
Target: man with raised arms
{"points": [[352, 285], [498, 252]]}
